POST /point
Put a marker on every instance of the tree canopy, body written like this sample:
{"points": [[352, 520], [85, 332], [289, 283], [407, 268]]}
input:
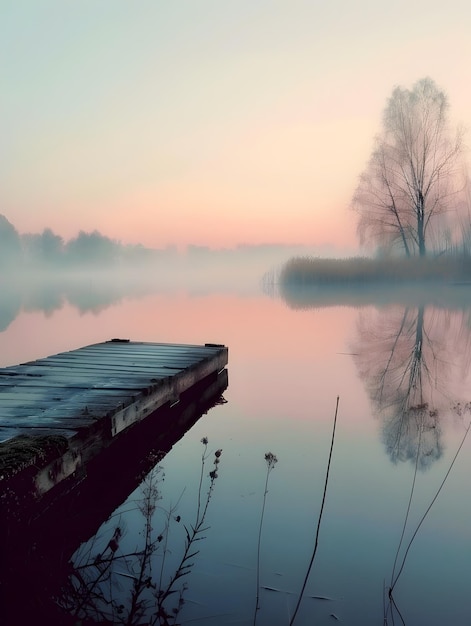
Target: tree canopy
{"points": [[410, 184]]}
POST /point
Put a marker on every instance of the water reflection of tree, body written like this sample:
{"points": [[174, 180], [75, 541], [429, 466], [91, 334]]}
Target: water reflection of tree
{"points": [[410, 359]]}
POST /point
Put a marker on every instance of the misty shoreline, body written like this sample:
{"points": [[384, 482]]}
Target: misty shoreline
{"points": [[305, 282], [357, 271]]}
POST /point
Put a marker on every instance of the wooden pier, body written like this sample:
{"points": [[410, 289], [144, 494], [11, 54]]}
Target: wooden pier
{"points": [[89, 397]]}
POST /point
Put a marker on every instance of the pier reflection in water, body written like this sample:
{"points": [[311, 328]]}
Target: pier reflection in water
{"points": [[40, 538]]}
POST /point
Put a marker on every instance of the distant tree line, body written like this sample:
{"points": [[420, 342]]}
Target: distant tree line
{"points": [[49, 250]]}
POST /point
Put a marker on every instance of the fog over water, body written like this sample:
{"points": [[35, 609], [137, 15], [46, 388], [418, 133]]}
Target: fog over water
{"points": [[91, 286]]}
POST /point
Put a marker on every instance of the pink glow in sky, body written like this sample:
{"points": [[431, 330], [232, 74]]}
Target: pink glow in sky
{"points": [[208, 122]]}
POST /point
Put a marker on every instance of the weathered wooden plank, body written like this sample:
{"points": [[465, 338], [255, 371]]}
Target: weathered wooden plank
{"points": [[114, 357], [37, 431], [131, 349], [86, 396], [86, 383], [120, 365], [129, 354], [61, 376]]}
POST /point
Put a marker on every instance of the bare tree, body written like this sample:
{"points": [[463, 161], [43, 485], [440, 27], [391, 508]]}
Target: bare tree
{"points": [[412, 173]]}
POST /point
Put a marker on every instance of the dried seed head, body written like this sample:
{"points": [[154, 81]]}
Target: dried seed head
{"points": [[271, 460]]}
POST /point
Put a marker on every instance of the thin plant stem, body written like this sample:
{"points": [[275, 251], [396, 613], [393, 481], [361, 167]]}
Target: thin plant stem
{"points": [[422, 519], [192, 536], [204, 441], [409, 504], [271, 460], [165, 545], [316, 543]]}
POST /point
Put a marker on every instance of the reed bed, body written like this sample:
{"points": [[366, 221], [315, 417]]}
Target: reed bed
{"points": [[309, 271]]}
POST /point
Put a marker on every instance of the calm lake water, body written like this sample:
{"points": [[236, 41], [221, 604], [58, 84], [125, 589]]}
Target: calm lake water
{"points": [[401, 373]]}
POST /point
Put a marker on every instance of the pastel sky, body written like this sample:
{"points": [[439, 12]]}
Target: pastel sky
{"points": [[212, 122]]}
